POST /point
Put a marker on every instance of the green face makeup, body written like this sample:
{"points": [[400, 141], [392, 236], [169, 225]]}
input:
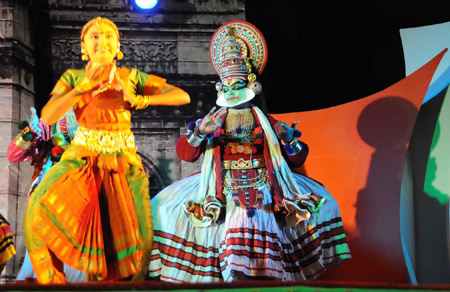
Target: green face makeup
{"points": [[234, 91]]}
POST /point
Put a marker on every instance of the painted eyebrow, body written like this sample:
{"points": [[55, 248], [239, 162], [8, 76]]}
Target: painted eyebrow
{"points": [[236, 83]]}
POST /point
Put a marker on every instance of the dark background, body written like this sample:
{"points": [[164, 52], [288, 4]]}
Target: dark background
{"points": [[325, 53]]}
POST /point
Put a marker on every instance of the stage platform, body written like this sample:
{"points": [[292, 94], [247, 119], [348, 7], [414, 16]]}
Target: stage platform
{"points": [[242, 286]]}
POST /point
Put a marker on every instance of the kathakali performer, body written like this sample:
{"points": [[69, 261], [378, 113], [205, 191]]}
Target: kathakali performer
{"points": [[246, 215], [92, 210]]}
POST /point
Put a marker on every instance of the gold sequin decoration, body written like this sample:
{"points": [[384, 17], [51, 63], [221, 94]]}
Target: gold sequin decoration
{"points": [[103, 141]]}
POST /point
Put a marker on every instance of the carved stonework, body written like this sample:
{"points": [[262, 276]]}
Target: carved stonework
{"points": [[104, 4], [149, 51], [150, 56], [66, 50], [147, 56], [156, 146]]}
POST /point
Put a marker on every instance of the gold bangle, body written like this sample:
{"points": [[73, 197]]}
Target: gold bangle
{"points": [[141, 101], [21, 143]]}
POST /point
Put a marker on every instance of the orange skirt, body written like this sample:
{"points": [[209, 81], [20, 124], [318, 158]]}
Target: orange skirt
{"points": [[83, 202]]}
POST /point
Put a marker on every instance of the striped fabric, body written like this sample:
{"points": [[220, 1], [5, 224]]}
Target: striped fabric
{"points": [[7, 249], [254, 246]]}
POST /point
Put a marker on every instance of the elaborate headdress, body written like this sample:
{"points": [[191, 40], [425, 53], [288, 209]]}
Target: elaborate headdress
{"points": [[238, 50]]}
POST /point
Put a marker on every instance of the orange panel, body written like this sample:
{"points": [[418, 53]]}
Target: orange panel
{"points": [[357, 150]]}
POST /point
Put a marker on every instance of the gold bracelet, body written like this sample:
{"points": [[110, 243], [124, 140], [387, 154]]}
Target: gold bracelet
{"points": [[21, 143], [141, 101]]}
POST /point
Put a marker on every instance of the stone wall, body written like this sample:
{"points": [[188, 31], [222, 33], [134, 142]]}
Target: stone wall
{"points": [[170, 41], [16, 98]]}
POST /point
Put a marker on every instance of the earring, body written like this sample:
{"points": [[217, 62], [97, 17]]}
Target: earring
{"points": [[84, 55], [119, 55], [219, 86], [254, 85]]}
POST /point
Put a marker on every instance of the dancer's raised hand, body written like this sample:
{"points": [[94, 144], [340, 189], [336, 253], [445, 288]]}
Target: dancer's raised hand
{"points": [[212, 121]]}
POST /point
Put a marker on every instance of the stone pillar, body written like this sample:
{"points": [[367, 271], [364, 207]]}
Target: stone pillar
{"points": [[16, 98]]}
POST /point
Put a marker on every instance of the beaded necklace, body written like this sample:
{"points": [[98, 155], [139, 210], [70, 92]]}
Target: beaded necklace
{"points": [[240, 123], [246, 140]]}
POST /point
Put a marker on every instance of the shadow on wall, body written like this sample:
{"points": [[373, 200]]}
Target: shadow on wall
{"points": [[386, 125], [358, 151]]}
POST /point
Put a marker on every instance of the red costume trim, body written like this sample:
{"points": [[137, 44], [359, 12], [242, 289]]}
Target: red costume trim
{"points": [[189, 153]]}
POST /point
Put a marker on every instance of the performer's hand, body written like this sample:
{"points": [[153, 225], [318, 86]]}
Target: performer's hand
{"points": [[284, 132], [98, 72], [38, 127], [121, 87], [46, 130], [95, 74], [212, 121], [34, 122]]}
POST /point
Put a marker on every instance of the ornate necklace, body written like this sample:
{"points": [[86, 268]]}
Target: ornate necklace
{"points": [[239, 123]]}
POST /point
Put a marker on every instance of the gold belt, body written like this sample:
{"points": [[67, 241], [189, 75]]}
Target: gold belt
{"points": [[243, 164], [104, 141]]}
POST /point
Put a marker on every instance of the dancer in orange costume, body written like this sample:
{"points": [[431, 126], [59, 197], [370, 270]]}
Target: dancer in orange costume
{"points": [[92, 210]]}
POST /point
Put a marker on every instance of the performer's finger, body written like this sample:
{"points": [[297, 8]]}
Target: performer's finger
{"points": [[217, 113], [221, 112], [212, 110], [46, 131], [33, 112], [50, 130], [294, 124]]}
